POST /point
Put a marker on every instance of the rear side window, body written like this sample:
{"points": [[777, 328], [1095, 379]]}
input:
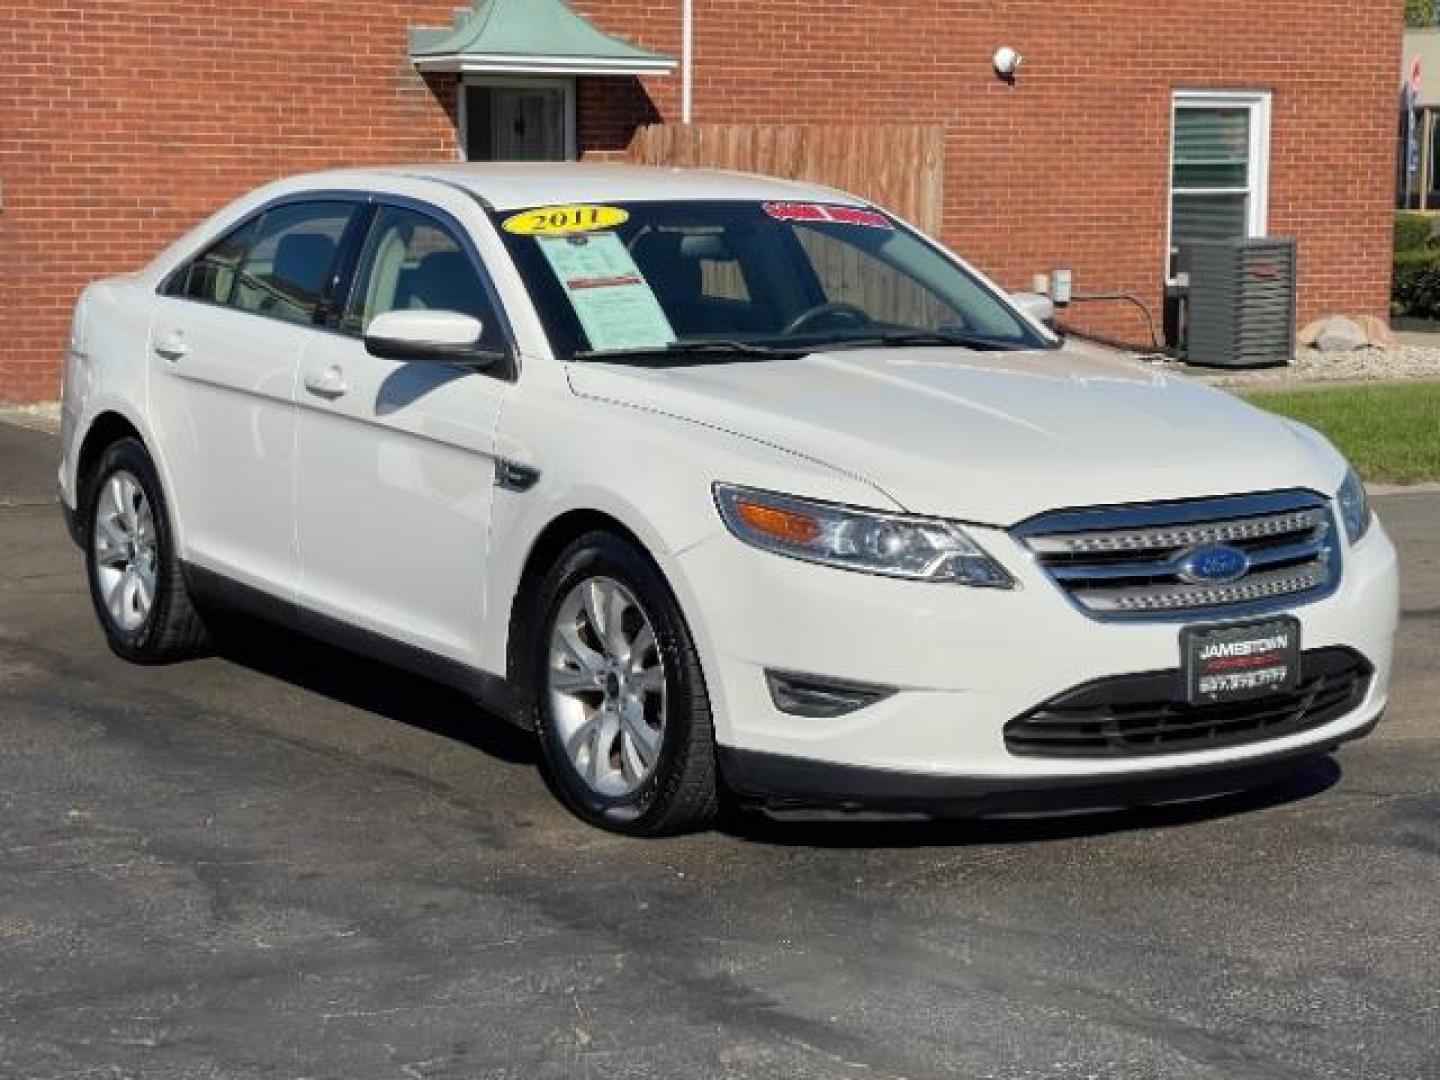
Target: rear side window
{"points": [[211, 275], [411, 261], [288, 264]]}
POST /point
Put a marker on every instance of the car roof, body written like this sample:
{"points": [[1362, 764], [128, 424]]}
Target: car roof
{"points": [[511, 185]]}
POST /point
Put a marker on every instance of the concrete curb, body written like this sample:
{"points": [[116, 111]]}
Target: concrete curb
{"points": [[1282, 386], [1276, 383], [1425, 487], [44, 417]]}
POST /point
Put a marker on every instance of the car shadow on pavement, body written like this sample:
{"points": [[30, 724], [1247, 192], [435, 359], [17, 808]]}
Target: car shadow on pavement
{"points": [[841, 831], [368, 685], [429, 706]]}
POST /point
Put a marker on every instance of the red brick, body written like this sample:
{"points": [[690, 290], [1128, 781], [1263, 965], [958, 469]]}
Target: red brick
{"points": [[122, 122]]}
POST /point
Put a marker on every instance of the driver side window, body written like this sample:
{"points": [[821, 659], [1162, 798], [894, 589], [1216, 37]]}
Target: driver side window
{"points": [[412, 262]]}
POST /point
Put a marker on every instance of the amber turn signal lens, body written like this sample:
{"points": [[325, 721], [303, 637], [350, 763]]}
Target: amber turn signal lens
{"points": [[784, 525]]}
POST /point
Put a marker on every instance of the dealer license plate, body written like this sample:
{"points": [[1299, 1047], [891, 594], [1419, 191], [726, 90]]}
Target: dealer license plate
{"points": [[1232, 663]]}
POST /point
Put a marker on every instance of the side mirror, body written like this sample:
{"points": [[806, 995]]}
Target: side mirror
{"points": [[435, 337], [1038, 307]]}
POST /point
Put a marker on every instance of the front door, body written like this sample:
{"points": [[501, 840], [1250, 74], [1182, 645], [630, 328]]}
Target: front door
{"points": [[519, 121], [396, 468], [226, 343]]}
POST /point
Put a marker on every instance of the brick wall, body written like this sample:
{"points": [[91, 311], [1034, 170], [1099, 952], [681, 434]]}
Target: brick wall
{"points": [[124, 121], [1070, 165]]}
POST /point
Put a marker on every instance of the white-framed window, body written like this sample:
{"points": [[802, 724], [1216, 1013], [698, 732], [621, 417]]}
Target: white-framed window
{"points": [[517, 119], [1219, 168]]}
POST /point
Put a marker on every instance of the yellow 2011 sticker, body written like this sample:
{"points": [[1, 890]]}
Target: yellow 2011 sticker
{"points": [[562, 220]]}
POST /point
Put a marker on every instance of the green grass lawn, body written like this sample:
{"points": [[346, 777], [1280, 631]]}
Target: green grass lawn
{"points": [[1391, 432]]}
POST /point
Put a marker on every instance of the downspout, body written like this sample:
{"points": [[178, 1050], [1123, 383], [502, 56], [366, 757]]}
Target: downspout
{"points": [[687, 45]]}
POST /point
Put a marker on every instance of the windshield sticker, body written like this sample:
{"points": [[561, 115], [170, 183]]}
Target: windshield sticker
{"points": [[840, 215], [565, 220], [616, 307]]}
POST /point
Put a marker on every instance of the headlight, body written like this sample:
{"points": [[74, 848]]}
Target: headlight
{"points": [[919, 549], [1354, 506]]}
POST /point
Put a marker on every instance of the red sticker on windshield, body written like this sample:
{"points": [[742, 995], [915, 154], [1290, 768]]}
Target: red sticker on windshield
{"points": [[840, 215]]}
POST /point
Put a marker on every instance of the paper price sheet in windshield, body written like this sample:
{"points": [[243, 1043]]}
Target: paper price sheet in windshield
{"points": [[615, 305]]}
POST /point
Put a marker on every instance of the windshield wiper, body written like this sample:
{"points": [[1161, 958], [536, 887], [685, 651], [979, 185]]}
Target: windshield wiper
{"points": [[927, 337], [697, 352], [691, 352]]}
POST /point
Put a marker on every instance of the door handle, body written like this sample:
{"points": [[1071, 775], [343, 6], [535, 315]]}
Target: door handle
{"points": [[171, 346], [329, 383]]}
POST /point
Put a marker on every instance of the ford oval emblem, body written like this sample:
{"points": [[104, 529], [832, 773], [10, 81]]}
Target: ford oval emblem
{"points": [[1214, 564]]}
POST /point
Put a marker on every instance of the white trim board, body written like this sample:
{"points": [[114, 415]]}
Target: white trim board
{"points": [[502, 64], [1259, 102]]}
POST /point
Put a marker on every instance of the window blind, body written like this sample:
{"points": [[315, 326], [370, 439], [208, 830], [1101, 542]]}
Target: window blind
{"points": [[1212, 148]]}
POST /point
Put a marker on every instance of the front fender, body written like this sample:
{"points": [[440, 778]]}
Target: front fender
{"points": [[651, 473]]}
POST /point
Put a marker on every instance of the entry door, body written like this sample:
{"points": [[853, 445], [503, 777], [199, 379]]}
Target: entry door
{"points": [[519, 122], [395, 463], [226, 345]]}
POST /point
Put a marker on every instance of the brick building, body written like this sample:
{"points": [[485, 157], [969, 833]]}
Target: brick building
{"points": [[124, 121]]}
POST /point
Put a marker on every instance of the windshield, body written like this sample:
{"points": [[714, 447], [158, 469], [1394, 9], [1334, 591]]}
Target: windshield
{"points": [[712, 280]]}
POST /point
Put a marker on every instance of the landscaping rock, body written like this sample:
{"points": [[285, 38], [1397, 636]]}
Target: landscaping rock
{"points": [[1310, 333], [1377, 332], [1340, 334]]}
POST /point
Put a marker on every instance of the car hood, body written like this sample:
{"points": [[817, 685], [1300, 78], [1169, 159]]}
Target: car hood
{"points": [[990, 438]]}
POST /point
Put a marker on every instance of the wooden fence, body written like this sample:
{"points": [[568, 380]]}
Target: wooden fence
{"points": [[899, 166]]}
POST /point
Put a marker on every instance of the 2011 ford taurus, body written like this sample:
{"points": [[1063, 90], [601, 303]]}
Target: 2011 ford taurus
{"points": [[722, 485]]}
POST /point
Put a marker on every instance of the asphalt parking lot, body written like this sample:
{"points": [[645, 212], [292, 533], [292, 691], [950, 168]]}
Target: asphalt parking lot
{"points": [[284, 862]]}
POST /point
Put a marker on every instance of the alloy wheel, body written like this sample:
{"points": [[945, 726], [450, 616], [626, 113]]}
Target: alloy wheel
{"points": [[126, 551], [607, 686]]}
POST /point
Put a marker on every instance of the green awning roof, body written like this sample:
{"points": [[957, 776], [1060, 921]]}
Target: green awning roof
{"points": [[529, 37]]}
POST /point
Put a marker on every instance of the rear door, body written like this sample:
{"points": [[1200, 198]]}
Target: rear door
{"points": [[226, 344], [396, 461]]}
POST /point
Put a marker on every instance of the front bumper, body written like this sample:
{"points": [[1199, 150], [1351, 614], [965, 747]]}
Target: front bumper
{"points": [[964, 663], [783, 783]]}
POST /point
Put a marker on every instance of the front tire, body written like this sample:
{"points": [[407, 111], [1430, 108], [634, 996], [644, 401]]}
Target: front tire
{"points": [[135, 579], [617, 694]]}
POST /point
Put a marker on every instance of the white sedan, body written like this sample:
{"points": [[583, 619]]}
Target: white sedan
{"points": [[721, 484]]}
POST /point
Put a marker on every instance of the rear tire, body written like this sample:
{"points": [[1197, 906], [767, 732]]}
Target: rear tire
{"points": [[135, 579], [617, 695]]}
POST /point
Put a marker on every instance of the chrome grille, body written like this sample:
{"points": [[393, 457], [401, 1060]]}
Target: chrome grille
{"points": [[1128, 561]]}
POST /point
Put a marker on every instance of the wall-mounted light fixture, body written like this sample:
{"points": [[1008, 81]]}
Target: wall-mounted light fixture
{"points": [[1007, 63]]}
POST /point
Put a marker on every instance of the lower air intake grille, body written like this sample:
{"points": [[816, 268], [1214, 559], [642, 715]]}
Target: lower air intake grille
{"points": [[1135, 715]]}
